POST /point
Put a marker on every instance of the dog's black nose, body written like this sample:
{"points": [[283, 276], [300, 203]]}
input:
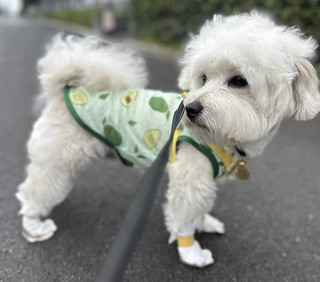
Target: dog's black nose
{"points": [[193, 110]]}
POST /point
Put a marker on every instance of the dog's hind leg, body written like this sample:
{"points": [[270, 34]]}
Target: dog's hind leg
{"points": [[58, 148], [190, 196]]}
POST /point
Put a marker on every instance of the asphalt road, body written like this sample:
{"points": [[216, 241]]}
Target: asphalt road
{"points": [[272, 220]]}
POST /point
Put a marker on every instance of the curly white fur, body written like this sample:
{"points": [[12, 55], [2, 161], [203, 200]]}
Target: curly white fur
{"points": [[281, 82], [54, 158], [273, 59]]}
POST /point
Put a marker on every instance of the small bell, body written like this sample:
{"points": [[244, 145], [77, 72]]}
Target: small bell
{"points": [[241, 171]]}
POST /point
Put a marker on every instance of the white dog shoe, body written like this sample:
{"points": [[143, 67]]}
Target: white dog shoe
{"points": [[35, 230], [195, 256], [210, 224]]}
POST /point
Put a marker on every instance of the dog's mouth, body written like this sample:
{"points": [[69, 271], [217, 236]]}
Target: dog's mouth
{"points": [[195, 123], [203, 126]]}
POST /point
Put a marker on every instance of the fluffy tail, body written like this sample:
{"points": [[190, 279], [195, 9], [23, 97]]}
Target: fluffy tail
{"points": [[89, 62]]}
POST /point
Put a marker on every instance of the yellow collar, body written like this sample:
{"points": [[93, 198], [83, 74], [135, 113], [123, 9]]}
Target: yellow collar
{"points": [[230, 165]]}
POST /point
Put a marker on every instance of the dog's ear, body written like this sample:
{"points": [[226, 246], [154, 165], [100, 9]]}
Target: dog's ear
{"points": [[186, 63], [306, 91], [184, 79]]}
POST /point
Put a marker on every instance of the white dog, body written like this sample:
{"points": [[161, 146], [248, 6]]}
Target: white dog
{"points": [[243, 75]]}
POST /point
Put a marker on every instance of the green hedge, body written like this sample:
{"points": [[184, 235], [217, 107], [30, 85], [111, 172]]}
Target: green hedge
{"points": [[168, 21], [81, 17]]}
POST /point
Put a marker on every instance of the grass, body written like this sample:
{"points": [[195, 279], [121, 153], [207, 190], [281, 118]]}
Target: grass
{"points": [[81, 17]]}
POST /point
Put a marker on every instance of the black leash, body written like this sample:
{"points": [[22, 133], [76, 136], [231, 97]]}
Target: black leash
{"points": [[130, 232]]}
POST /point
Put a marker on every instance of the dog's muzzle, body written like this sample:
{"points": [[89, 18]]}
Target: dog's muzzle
{"points": [[193, 110]]}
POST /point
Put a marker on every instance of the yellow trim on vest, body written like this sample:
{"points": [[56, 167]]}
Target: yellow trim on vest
{"points": [[175, 137], [174, 145], [224, 156], [184, 94], [204, 218], [185, 241]]}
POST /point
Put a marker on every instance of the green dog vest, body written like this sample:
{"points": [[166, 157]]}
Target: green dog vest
{"points": [[136, 123]]}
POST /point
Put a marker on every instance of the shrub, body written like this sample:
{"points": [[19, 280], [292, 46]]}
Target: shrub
{"points": [[168, 21]]}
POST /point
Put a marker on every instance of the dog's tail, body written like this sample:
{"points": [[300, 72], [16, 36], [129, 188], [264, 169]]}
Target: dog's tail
{"points": [[89, 62]]}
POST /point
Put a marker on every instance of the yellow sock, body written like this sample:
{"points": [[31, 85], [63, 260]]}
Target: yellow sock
{"points": [[185, 241]]}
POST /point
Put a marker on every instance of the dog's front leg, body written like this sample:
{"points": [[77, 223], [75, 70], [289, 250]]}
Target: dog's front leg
{"points": [[190, 196], [189, 249], [209, 224]]}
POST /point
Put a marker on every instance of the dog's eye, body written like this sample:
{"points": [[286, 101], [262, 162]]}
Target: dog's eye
{"points": [[204, 79], [238, 82]]}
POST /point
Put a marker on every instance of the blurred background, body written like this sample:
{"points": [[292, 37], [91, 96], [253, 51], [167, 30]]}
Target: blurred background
{"points": [[164, 22], [272, 220]]}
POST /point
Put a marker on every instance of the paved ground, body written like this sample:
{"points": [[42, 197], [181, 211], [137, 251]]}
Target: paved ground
{"points": [[272, 220]]}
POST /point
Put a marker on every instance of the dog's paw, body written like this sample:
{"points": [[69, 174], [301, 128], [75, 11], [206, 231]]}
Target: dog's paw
{"points": [[35, 230], [195, 256], [210, 224]]}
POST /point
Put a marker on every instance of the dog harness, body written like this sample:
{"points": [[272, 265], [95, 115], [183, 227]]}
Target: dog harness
{"points": [[136, 124]]}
